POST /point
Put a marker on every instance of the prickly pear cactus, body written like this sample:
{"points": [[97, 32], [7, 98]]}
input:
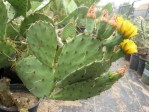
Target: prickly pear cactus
{"points": [[21, 6], [79, 68]]}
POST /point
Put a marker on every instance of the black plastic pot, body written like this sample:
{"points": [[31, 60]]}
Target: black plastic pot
{"points": [[147, 65], [134, 61], [145, 76], [18, 87], [12, 75], [141, 65]]}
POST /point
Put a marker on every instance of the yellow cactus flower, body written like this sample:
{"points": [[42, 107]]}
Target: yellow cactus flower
{"points": [[119, 20], [126, 28], [128, 46]]}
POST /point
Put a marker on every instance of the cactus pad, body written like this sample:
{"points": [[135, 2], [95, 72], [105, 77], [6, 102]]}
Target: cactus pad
{"points": [[42, 40], [79, 52], [80, 12], [91, 71], [21, 6], [86, 89], [7, 54], [69, 31], [35, 76], [32, 19]]}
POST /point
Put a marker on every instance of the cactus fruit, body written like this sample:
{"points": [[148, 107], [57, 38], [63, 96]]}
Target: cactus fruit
{"points": [[3, 20]]}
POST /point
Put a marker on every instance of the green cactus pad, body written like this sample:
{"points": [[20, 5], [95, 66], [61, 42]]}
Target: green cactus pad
{"points": [[37, 77], [89, 25], [69, 31], [113, 40], [86, 89], [32, 19], [10, 11], [79, 12], [101, 27], [108, 32], [12, 30], [3, 20], [91, 71], [7, 54], [21, 6], [79, 52], [43, 4], [42, 41]]}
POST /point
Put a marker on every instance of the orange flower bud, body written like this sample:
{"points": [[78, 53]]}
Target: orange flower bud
{"points": [[91, 12]]}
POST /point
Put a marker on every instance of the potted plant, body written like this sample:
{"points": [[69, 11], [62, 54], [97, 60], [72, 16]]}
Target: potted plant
{"points": [[142, 41], [145, 75], [75, 70], [12, 39], [16, 95], [77, 67]]}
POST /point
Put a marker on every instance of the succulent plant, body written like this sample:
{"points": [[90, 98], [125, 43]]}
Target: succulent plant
{"points": [[79, 68]]}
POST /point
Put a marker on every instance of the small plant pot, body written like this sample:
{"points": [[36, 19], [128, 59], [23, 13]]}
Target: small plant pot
{"points": [[18, 87], [134, 61], [141, 65]]}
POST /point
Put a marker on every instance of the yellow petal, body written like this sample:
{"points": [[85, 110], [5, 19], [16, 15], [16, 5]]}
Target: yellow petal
{"points": [[122, 27], [119, 20], [128, 46], [126, 26], [129, 32], [134, 32], [131, 51], [123, 44]]}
